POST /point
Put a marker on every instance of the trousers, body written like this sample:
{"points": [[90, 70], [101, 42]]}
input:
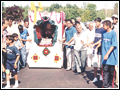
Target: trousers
{"points": [[108, 72]]}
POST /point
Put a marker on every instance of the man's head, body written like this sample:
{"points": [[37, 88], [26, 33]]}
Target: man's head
{"points": [[106, 24], [20, 28], [90, 26], [68, 23], [15, 35], [115, 18], [9, 39], [79, 28], [73, 21], [10, 20], [77, 23], [26, 23], [4, 24], [78, 19], [98, 22]]}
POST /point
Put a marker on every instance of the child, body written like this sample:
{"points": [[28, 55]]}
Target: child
{"points": [[109, 53], [12, 59], [97, 63], [18, 45], [3, 59]]}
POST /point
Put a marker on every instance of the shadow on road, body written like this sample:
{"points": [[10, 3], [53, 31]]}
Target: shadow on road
{"points": [[89, 75]]}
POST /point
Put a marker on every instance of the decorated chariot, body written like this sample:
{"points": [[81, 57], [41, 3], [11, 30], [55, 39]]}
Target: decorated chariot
{"points": [[45, 29]]}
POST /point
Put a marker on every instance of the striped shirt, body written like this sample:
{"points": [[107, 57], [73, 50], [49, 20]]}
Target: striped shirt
{"points": [[98, 36]]}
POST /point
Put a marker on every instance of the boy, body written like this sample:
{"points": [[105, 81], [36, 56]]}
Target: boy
{"points": [[97, 63], [23, 35], [3, 59], [12, 59], [18, 45], [109, 53]]}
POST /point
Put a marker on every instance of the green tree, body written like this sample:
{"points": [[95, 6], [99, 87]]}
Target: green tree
{"points": [[53, 7], [116, 8], [3, 4], [92, 9], [101, 14]]}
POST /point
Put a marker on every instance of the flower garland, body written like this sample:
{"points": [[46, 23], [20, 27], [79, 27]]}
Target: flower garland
{"points": [[56, 17], [43, 19], [30, 18]]}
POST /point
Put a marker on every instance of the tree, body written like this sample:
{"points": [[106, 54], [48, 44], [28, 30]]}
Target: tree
{"points": [[15, 12], [25, 13], [53, 7], [3, 4], [92, 9], [101, 14], [116, 8]]}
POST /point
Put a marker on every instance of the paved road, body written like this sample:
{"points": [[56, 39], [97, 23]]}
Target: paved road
{"points": [[55, 78]]}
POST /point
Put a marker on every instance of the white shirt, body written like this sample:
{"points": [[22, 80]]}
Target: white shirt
{"points": [[12, 29], [77, 40], [83, 26], [90, 35]]}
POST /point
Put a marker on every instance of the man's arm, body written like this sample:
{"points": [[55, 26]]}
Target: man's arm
{"points": [[109, 51], [63, 40], [27, 40], [20, 40], [68, 43], [98, 42]]}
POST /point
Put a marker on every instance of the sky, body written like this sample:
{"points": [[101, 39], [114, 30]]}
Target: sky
{"points": [[100, 4]]}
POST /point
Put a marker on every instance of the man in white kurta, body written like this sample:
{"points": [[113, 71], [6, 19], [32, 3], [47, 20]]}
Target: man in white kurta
{"points": [[91, 35], [80, 51]]}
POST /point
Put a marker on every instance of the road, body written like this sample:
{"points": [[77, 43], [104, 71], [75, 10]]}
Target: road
{"points": [[55, 78]]}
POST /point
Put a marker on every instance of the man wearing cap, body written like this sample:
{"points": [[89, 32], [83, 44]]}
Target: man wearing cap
{"points": [[115, 24]]}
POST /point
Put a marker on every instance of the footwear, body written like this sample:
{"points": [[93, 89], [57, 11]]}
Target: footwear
{"points": [[100, 78], [77, 73], [116, 84], [7, 86], [18, 71], [15, 86], [95, 80], [67, 69]]}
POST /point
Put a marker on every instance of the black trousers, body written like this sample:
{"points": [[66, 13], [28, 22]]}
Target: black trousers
{"points": [[108, 72]]}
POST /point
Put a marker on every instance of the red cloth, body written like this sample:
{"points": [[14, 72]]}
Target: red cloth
{"points": [[63, 28], [38, 32]]}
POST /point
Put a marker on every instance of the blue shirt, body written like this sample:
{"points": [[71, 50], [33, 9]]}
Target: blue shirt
{"points": [[69, 33], [23, 35], [109, 39], [98, 36], [12, 53]]}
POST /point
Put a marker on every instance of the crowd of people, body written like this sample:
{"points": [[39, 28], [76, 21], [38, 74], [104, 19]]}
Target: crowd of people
{"points": [[93, 46], [14, 53]]}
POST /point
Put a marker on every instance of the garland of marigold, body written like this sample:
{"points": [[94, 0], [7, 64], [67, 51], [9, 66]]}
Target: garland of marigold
{"points": [[33, 8]]}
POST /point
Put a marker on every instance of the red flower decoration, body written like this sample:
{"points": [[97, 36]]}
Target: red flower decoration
{"points": [[57, 58], [46, 51], [35, 57]]}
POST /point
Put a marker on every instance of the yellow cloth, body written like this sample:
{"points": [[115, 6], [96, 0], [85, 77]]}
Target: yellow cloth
{"points": [[33, 8]]}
